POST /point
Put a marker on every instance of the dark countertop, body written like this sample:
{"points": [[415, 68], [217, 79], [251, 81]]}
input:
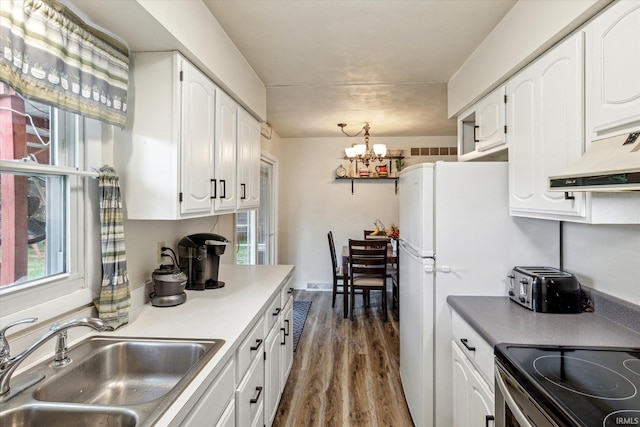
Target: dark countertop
{"points": [[499, 320]]}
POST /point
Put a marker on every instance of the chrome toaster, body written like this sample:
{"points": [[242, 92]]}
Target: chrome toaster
{"points": [[545, 289]]}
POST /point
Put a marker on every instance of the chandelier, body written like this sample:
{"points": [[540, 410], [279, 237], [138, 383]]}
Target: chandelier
{"points": [[362, 152]]}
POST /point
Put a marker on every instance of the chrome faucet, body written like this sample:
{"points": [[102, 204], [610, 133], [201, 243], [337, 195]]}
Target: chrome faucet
{"points": [[8, 363]]}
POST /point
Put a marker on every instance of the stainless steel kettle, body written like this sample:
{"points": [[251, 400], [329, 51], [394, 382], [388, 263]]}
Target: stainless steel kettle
{"points": [[168, 279]]}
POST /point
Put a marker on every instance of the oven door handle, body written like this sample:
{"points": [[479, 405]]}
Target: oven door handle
{"points": [[515, 409]]}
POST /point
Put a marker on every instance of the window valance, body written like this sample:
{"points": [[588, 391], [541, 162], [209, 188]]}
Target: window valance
{"points": [[49, 53]]}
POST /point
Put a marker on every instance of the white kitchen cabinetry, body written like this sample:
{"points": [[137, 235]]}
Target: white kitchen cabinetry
{"points": [[287, 344], [613, 86], [250, 396], [165, 156], [279, 350], [248, 151], [482, 133], [545, 121], [225, 153], [473, 370], [214, 404]]}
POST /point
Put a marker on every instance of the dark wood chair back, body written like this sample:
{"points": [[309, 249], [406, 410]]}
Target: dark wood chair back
{"points": [[368, 268]]}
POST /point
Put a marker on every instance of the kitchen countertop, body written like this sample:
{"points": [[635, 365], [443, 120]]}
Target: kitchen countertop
{"points": [[226, 313], [499, 320]]}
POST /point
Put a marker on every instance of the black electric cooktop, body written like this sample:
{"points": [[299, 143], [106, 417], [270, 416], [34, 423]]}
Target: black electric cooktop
{"points": [[581, 386]]}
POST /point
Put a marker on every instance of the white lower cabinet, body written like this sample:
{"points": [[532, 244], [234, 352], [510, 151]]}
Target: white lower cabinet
{"points": [[278, 351], [215, 402], [272, 366], [287, 345], [473, 370], [247, 391], [228, 418], [250, 396], [473, 402]]}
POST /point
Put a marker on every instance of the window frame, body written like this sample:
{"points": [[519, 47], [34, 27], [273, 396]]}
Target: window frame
{"points": [[51, 296]]}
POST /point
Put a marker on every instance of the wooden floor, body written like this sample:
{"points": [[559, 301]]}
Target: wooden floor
{"points": [[345, 373]]}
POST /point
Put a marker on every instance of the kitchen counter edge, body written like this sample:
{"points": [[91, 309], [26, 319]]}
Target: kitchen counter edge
{"points": [[499, 320]]}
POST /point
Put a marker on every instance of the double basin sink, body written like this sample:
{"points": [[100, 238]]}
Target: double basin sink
{"points": [[111, 381]]}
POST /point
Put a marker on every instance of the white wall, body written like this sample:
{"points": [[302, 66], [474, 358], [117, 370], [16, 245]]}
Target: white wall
{"points": [[529, 28], [313, 202], [605, 257]]}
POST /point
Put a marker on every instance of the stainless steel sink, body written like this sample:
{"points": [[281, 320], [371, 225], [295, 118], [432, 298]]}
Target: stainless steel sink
{"points": [[65, 416], [115, 381]]}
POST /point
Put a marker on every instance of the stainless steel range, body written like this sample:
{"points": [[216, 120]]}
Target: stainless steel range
{"points": [[567, 386]]}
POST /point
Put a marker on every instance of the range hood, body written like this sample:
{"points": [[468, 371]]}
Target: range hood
{"points": [[610, 164]]}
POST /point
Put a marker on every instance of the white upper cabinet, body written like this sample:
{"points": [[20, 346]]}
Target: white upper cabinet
{"points": [[545, 122], [197, 161], [613, 89], [248, 161], [225, 192], [482, 133], [165, 155]]}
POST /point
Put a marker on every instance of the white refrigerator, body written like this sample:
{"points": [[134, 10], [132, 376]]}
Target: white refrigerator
{"points": [[456, 238]]}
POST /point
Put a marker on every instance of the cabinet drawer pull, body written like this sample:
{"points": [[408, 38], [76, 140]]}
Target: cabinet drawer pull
{"points": [[257, 346], [255, 399], [215, 188], [244, 191], [568, 196], [290, 291], [277, 312], [465, 342], [488, 418]]}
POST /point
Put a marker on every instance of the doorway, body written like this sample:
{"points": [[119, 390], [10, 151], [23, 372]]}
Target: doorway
{"points": [[256, 230]]}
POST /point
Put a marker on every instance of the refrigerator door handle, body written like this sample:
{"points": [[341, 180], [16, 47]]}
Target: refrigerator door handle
{"points": [[428, 269], [445, 269]]}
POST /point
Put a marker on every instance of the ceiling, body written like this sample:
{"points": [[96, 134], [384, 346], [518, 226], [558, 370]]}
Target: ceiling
{"points": [[386, 62]]}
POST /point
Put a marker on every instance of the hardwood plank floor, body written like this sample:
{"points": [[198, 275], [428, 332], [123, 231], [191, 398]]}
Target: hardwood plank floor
{"points": [[345, 373]]}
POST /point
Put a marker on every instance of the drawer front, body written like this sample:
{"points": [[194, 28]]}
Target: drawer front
{"points": [[479, 352], [228, 419], [250, 395], [251, 347], [214, 401], [272, 314], [286, 293]]}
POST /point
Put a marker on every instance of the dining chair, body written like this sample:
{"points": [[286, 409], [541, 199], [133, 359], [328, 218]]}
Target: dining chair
{"points": [[337, 271], [368, 269]]}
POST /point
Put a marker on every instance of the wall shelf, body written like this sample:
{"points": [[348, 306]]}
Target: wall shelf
{"points": [[375, 178]]}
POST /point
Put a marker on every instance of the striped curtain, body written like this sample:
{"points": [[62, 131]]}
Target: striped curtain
{"points": [[114, 301], [50, 54]]}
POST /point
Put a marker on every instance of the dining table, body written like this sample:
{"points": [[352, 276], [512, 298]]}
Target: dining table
{"points": [[392, 258]]}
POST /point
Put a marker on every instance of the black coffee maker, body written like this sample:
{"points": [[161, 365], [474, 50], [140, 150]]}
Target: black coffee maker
{"points": [[199, 256]]}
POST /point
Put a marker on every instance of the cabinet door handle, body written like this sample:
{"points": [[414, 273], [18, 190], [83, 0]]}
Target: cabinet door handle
{"points": [[255, 399], [284, 337], [224, 188], [475, 133], [286, 334], [465, 342], [215, 188], [244, 191], [257, 346], [488, 418], [278, 310]]}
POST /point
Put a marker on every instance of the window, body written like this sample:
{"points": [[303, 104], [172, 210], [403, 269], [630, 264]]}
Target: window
{"points": [[40, 200], [255, 231]]}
